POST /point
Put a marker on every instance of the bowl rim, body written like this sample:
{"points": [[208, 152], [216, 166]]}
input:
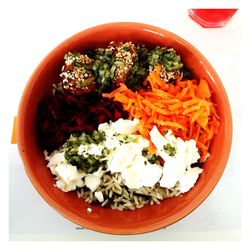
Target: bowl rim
{"points": [[127, 231]]}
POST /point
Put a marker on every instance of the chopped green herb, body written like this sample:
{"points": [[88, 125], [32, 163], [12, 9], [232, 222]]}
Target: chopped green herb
{"points": [[169, 149], [87, 162], [170, 61], [151, 158]]}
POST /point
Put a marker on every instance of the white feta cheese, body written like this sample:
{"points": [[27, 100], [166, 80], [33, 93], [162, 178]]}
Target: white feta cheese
{"points": [[125, 127], [95, 149], [66, 172], [189, 178], [92, 181], [99, 196], [90, 149], [172, 170], [67, 176], [125, 156], [177, 168], [127, 159], [89, 210], [121, 126], [159, 141], [54, 159], [139, 174], [151, 175]]}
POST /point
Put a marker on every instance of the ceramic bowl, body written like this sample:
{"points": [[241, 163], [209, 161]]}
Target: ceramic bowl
{"points": [[106, 220]]}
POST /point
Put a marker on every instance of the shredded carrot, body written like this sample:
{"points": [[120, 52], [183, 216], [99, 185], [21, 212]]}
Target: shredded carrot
{"points": [[203, 90], [118, 90], [184, 107]]}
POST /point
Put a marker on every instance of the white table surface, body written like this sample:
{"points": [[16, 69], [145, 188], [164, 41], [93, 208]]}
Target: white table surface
{"points": [[38, 29]]}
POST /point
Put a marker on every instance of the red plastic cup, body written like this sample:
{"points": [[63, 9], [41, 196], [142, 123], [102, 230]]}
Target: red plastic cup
{"points": [[211, 18]]}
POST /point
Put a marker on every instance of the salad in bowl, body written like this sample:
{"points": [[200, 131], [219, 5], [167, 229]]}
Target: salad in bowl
{"points": [[141, 129], [124, 128]]}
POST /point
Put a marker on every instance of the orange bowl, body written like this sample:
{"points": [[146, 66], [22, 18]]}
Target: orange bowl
{"points": [[106, 220]]}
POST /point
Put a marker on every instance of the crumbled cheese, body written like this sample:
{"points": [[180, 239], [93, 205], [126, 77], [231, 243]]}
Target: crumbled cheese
{"points": [[89, 210], [138, 174], [177, 168], [189, 178], [125, 156], [99, 196], [121, 126], [92, 181], [90, 149], [67, 176]]}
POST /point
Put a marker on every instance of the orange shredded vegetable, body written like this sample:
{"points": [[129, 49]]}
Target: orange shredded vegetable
{"points": [[184, 107]]}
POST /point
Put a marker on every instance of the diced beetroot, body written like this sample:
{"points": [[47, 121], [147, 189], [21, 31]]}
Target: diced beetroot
{"points": [[62, 114]]}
